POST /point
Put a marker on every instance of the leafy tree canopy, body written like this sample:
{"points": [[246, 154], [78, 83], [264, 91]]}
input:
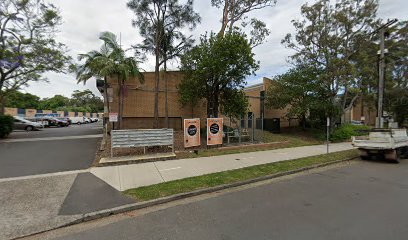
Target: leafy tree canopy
{"points": [[216, 70], [27, 43]]}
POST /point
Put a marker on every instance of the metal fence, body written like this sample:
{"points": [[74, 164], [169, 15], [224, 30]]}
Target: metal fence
{"points": [[247, 129], [141, 138]]}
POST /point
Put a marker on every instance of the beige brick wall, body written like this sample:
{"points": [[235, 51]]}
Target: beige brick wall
{"points": [[139, 101]]}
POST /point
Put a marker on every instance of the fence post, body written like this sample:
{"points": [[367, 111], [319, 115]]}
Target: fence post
{"points": [[253, 127], [262, 128]]}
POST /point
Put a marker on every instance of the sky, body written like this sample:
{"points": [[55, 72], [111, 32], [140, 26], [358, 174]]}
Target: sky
{"points": [[83, 20]]}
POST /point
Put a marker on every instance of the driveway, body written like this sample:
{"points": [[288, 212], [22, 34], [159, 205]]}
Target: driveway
{"points": [[49, 150]]}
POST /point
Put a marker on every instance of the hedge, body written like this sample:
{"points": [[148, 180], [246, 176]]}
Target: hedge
{"points": [[6, 125], [346, 131]]}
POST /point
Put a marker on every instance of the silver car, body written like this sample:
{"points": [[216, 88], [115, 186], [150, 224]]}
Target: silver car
{"points": [[23, 124]]}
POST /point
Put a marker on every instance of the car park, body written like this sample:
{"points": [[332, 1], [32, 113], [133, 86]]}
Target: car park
{"points": [[24, 124]]}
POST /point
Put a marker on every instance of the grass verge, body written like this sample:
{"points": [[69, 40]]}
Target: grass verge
{"points": [[232, 176]]}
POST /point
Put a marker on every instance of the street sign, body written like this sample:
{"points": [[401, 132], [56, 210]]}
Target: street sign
{"points": [[113, 117]]}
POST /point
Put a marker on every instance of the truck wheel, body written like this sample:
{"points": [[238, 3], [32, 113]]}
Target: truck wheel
{"points": [[364, 154], [392, 156]]}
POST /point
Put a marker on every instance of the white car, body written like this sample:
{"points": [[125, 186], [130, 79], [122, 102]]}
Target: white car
{"points": [[94, 119], [87, 120], [77, 120]]}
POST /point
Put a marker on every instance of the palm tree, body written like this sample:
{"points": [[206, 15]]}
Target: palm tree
{"points": [[110, 61]]}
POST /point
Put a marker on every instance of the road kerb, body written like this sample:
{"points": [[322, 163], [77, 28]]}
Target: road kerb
{"points": [[136, 206]]}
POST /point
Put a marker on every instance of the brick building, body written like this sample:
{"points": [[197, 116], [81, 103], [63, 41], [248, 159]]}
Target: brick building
{"points": [[256, 94], [138, 109]]}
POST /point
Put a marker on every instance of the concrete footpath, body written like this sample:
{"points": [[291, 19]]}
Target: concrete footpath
{"points": [[32, 204], [125, 177]]}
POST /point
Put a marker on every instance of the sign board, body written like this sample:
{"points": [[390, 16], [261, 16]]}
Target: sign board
{"points": [[113, 117], [191, 132], [214, 131]]}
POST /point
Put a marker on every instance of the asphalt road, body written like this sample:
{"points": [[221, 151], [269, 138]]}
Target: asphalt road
{"points": [[34, 153], [365, 200]]}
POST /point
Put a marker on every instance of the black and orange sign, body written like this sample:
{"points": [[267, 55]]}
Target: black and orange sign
{"points": [[214, 131], [191, 132]]}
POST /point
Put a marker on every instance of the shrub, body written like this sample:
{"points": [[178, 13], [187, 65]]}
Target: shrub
{"points": [[346, 131], [6, 125]]}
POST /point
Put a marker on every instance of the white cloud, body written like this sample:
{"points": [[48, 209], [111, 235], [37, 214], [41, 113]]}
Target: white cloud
{"points": [[84, 20]]}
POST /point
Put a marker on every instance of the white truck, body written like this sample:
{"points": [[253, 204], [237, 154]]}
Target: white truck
{"points": [[390, 144]]}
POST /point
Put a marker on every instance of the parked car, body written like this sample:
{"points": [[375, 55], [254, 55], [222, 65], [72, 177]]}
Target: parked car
{"points": [[95, 119], [87, 120], [24, 124], [77, 120], [50, 122], [65, 119]]}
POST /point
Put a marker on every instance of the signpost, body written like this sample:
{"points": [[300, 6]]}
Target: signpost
{"points": [[191, 132], [113, 117], [328, 133], [214, 131]]}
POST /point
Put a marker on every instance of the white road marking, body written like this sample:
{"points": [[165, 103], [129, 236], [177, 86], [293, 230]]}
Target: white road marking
{"points": [[51, 138], [169, 169]]}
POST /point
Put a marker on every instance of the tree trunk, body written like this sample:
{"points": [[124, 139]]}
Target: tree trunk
{"points": [[166, 94], [224, 19]]}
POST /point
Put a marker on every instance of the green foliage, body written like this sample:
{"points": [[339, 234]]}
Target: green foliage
{"points": [[17, 99], [396, 92], [81, 101], [297, 90], [215, 70], [28, 47], [328, 38], [110, 61], [346, 131], [236, 12], [6, 125], [55, 102]]}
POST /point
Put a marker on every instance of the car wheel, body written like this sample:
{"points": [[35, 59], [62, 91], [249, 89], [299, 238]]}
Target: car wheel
{"points": [[29, 128], [78, 123]]}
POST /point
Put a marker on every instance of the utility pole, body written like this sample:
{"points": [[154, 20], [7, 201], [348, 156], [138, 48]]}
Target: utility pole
{"points": [[381, 73], [381, 70]]}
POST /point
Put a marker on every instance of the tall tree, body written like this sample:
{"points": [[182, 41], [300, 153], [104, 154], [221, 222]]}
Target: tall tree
{"points": [[215, 70], [111, 61], [154, 18], [236, 11], [327, 38], [27, 43]]}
